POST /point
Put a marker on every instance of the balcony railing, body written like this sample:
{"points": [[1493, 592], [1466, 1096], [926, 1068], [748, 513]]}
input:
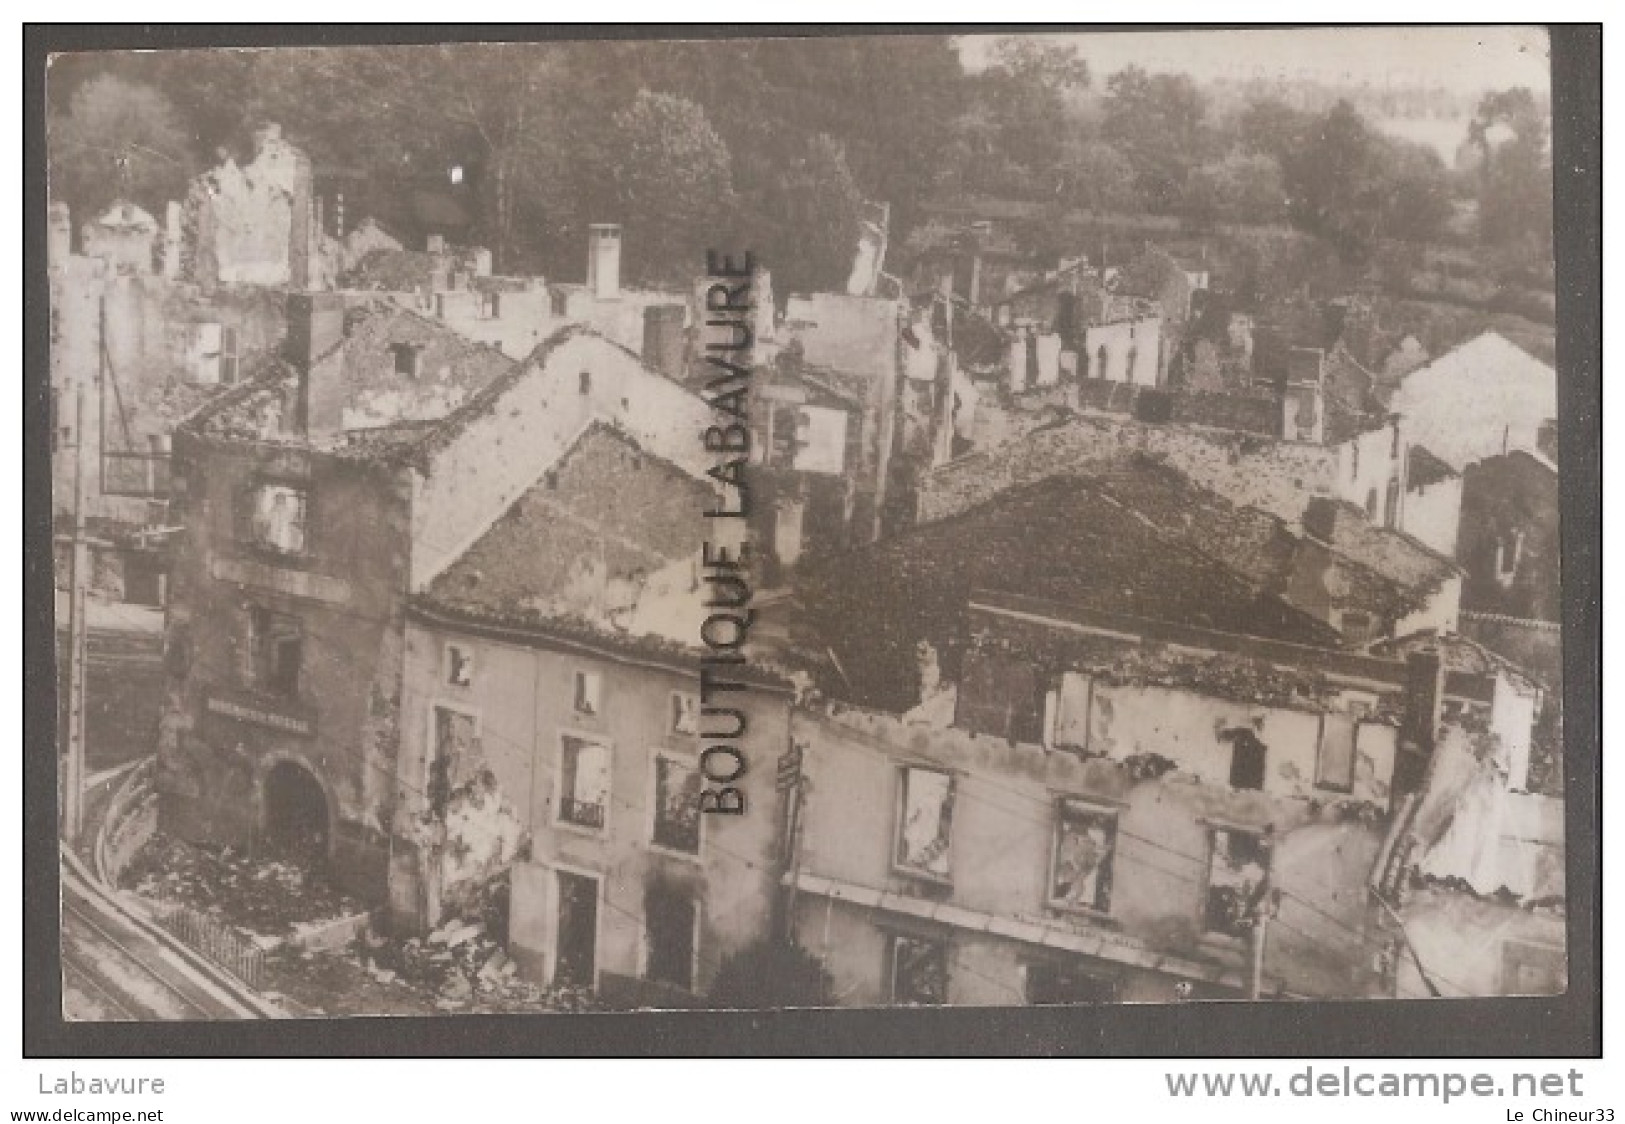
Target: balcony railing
{"points": [[581, 813], [141, 475]]}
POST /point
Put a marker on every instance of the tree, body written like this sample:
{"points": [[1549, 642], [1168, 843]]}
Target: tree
{"points": [[1418, 192], [1096, 177], [1054, 66], [672, 180], [1355, 188], [117, 140], [1515, 176], [1156, 121], [767, 974], [1272, 127], [1240, 188], [1021, 117], [811, 218]]}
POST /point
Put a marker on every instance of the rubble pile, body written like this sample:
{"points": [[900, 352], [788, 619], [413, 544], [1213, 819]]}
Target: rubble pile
{"points": [[267, 897], [463, 968]]}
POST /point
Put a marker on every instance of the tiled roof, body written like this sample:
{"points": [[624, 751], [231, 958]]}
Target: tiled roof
{"points": [[1255, 544], [572, 559], [1393, 554], [238, 414], [538, 548], [1457, 653]]}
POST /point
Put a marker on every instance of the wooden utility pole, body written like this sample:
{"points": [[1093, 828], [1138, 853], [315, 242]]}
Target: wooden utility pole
{"points": [[73, 772], [1268, 903]]}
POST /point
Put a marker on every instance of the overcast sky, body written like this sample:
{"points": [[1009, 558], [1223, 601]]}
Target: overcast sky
{"points": [[1462, 59]]}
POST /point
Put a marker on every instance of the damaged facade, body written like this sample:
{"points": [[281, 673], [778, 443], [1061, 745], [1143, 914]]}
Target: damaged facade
{"points": [[552, 684], [315, 498], [1067, 801], [1107, 644]]}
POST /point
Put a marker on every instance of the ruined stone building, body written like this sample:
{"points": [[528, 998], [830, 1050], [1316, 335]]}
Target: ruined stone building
{"points": [[1509, 542], [134, 348], [1068, 757], [552, 736], [316, 497], [1076, 742], [255, 224], [1472, 871]]}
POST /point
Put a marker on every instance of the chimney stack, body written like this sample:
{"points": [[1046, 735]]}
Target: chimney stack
{"points": [[1424, 698], [315, 328], [1320, 518], [663, 340], [604, 260]]}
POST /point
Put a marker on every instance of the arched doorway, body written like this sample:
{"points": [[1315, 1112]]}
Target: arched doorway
{"points": [[295, 807]]}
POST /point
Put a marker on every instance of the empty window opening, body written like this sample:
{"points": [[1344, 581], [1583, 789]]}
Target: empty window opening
{"points": [[1085, 847], [925, 823], [1247, 756], [671, 920], [407, 356], [1237, 873], [919, 972], [275, 650], [584, 781], [677, 805], [576, 946]]}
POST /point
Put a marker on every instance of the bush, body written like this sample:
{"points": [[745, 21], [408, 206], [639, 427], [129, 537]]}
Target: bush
{"points": [[768, 974]]}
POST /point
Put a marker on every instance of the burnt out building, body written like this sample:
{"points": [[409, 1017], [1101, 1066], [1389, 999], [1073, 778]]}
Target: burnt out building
{"points": [[314, 497]]}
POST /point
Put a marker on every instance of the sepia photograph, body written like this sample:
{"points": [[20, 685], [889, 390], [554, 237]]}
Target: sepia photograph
{"points": [[765, 521]]}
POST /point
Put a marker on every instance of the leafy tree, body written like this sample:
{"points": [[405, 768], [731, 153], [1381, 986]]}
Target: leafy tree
{"points": [[1271, 127], [1051, 65], [117, 140], [1021, 117], [811, 217], [1417, 190], [672, 179], [1239, 188], [767, 974], [1096, 177], [1156, 121], [1355, 188], [1515, 185]]}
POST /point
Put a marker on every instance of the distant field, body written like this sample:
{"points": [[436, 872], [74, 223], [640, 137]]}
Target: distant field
{"points": [[1442, 134]]}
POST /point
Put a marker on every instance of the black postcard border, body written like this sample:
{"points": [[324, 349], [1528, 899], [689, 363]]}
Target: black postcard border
{"points": [[1561, 1026]]}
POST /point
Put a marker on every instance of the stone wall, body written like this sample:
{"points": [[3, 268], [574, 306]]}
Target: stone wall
{"points": [[1002, 840], [502, 451], [522, 698], [222, 731]]}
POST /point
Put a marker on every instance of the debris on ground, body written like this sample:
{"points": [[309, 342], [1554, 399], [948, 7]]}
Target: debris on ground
{"points": [[460, 967], [267, 897]]}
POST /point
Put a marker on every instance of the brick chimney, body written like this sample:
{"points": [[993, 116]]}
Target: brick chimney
{"points": [[1424, 699], [315, 328], [663, 340], [604, 260], [1320, 518]]}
